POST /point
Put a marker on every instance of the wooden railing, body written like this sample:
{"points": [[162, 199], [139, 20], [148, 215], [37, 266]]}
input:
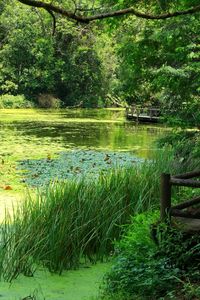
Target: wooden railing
{"points": [[138, 110], [186, 180]]}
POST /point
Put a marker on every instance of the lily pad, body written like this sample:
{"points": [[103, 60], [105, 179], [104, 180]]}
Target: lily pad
{"points": [[73, 164]]}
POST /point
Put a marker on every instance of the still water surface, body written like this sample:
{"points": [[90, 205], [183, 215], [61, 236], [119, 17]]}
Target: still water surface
{"points": [[29, 133]]}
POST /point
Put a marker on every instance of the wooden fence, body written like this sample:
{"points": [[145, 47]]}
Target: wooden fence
{"points": [[145, 113], [185, 180]]}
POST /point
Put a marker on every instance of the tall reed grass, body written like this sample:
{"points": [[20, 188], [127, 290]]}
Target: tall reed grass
{"points": [[75, 220]]}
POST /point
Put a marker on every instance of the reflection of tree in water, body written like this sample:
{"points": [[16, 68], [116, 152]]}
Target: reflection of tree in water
{"points": [[50, 131]]}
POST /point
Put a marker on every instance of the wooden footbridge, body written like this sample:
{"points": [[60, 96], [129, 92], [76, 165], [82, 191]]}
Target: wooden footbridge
{"points": [[143, 114], [187, 213]]}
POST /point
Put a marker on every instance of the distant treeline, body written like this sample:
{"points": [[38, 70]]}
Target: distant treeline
{"points": [[120, 60]]}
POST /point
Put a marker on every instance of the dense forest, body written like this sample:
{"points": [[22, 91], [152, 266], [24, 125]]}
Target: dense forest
{"points": [[115, 61]]}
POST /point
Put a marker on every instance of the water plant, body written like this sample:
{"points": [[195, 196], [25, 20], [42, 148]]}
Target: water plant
{"points": [[74, 220], [74, 164]]}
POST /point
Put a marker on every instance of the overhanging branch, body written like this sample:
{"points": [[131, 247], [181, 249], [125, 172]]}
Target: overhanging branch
{"points": [[122, 12], [54, 20]]}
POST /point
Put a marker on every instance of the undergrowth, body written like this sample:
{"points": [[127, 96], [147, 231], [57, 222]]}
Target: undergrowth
{"points": [[146, 270], [186, 145], [11, 101]]}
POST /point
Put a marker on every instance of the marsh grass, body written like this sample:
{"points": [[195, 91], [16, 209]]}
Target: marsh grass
{"points": [[73, 221]]}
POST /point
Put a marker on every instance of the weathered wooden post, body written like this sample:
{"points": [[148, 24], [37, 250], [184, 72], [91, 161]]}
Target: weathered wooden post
{"points": [[150, 113], [138, 111], [165, 203]]}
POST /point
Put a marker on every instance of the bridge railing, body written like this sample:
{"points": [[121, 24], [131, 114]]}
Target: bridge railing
{"points": [[185, 180], [148, 110]]}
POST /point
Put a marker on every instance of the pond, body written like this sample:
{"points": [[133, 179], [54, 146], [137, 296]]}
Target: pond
{"points": [[29, 133], [33, 134], [39, 134], [44, 134]]}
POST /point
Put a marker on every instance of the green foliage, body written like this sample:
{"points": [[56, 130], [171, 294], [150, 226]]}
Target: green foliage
{"points": [[144, 270], [159, 65], [182, 248], [129, 59], [82, 78], [137, 271], [186, 145], [18, 101], [32, 62]]}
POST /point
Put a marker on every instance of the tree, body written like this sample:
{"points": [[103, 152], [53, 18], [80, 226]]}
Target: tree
{"points": [[160, 64], [33, 62], [86, 15], [133, 58]]}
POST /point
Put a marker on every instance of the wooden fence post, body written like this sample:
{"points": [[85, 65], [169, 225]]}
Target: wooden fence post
{"points": [[165, 203]]}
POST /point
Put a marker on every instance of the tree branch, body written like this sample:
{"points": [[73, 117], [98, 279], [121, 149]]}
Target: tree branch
{"points": [[54, 20], [41, 19], [127, 11]]}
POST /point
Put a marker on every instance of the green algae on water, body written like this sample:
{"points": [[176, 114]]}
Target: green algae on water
{"points": [[81, 284]]}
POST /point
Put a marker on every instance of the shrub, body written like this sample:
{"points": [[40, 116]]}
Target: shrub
{"points": [[11, 101], [186, 145], [137, 271], [48, 101], [143, 270], [181, 247]]}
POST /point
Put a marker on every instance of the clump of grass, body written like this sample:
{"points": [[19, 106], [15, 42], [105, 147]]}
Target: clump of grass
{"points": [[75, 220]]}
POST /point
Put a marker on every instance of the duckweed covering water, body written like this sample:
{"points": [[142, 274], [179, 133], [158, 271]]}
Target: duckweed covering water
{"points": [[81, 284]]}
